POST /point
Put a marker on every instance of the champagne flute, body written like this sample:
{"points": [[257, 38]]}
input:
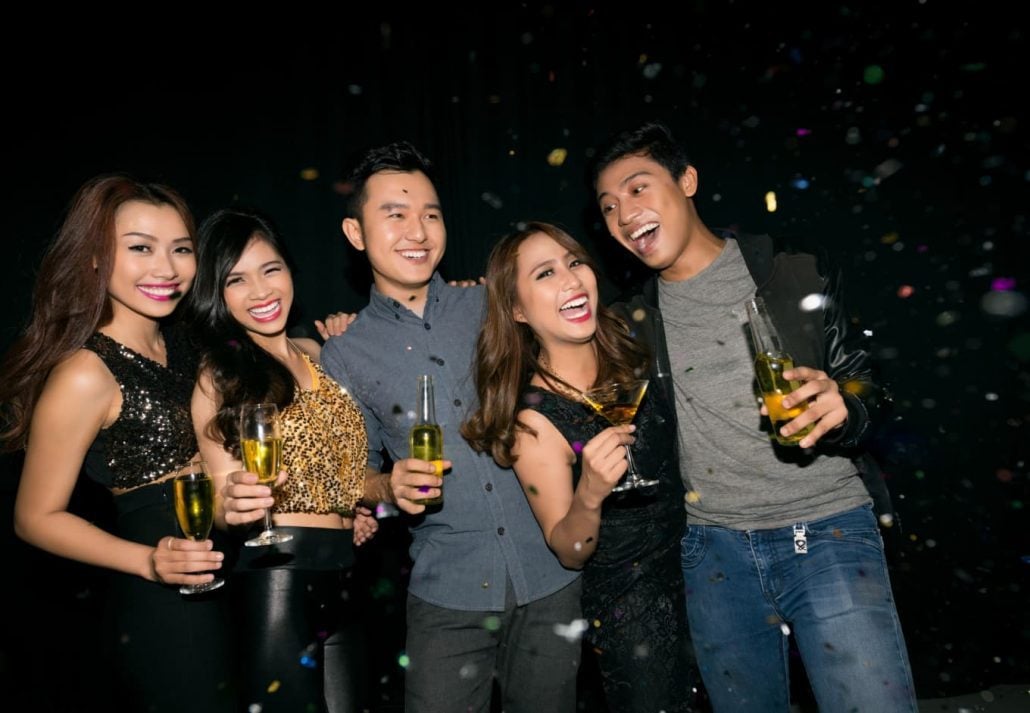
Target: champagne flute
{"points": [[261, 445], [618, 403], [195, 511]]}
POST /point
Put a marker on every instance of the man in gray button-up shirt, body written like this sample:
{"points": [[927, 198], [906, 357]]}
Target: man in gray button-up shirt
{"points": [[486, 593]]}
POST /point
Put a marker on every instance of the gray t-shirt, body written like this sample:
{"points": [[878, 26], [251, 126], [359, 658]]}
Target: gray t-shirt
{"points": [[733, 474]]}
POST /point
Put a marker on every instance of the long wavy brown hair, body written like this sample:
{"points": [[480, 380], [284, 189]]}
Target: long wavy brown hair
{"points": [[70, 300], [507, 353]]}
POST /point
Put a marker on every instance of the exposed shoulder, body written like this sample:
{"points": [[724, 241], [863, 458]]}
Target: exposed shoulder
{"points": [[310, 347], [82, 375], [204, 384], [544, 442], [533, 418], [82, 385]]}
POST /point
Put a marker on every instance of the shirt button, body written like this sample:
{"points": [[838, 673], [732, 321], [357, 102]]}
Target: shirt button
{"points": [[426, 325], [489, 487], [500, 530], [486, 585], [439, 361], [457, 402]]}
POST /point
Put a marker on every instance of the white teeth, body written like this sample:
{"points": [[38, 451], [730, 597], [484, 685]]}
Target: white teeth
{"points": [[158, 291], [267, 309], [414, 254], [642, 229], [573, 304]]}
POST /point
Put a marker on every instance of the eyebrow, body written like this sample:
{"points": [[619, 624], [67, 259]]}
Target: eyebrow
{"points": [[148, 236], [550, 260], [627, 179], [260, 267], [394, 205]]}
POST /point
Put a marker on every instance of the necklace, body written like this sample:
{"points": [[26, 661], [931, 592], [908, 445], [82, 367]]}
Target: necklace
{"points": [[558, 384]]}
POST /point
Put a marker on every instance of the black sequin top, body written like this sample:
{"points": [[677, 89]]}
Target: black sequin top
{"points": [[153, 433]]}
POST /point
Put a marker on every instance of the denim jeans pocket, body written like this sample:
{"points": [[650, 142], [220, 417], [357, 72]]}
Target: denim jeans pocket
{"points": [[856, 526], [692, 547]]}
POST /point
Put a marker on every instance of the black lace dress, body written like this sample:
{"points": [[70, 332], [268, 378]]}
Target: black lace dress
{"points": [[633, 597]]}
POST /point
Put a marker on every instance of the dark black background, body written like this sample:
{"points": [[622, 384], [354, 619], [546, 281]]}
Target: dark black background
{"points": [[906, 120]]}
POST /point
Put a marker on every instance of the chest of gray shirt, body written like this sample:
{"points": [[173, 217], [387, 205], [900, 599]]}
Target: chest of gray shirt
{"points": [[735, 477]]}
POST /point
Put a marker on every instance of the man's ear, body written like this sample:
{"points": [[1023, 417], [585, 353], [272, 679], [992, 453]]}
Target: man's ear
{"points": [[352, 229], [688, 182]]}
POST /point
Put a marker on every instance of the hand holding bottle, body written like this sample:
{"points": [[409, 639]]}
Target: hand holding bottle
{"points": [[825, 411]]}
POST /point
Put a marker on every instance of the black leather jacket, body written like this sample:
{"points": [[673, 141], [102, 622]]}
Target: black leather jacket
{"points": [[819, 338]]}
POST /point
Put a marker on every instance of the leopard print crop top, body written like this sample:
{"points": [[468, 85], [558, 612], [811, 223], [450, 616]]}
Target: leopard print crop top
{"points": [[325, 449]]}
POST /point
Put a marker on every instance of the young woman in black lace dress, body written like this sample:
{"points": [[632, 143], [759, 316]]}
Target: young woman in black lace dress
{"points": [[545, 340]]}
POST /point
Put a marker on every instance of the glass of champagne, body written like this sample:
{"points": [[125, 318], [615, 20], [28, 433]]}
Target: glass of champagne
{"points": [[618, 403], [261, 445], [195, 511]]}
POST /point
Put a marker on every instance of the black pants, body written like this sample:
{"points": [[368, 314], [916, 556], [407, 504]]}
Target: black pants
{"points": [[300, 643]]}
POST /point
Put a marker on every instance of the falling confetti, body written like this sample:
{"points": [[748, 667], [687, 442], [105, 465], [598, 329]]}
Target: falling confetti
{"points": [[557, 157], [812, 302], [873, 74], [1003, 304], [573, 631]]}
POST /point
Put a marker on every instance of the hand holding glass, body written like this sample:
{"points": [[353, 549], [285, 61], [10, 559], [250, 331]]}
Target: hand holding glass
{"points": [[618, 403], [771, 360], [261, 446], [195, 511]]}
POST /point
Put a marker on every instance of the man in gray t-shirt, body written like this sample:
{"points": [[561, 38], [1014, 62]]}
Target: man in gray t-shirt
{"points": [[780, 540]]}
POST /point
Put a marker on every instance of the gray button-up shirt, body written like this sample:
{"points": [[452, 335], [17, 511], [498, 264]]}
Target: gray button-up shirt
{"points": [[485, 532]]}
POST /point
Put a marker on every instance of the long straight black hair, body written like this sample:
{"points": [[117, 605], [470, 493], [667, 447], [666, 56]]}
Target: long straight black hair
{"points": [[240, 370]]}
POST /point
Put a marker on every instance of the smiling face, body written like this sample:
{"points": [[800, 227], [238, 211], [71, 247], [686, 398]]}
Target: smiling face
{"points": [[648, 211], [154, 261], [402, 231], [556, 293], [258, 290]]}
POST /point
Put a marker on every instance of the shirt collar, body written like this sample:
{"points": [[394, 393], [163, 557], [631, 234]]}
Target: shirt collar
{"points": [[384, 306]]}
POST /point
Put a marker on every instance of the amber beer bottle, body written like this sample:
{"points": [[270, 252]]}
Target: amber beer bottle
{"points": [[771, 360], [426, 439]]}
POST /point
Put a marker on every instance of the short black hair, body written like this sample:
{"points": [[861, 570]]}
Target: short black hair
{"points": [[653, 140], [399, 156]]}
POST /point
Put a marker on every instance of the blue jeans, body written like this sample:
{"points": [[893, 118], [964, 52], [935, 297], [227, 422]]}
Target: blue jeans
{"points": [[748, 589]]}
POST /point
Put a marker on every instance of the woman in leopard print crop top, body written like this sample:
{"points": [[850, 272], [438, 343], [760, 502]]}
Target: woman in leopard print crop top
{"points": [[292, 593]]}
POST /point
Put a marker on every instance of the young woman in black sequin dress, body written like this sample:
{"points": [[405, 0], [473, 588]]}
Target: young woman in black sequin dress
{"points": [[94, 384], [545, 341]]}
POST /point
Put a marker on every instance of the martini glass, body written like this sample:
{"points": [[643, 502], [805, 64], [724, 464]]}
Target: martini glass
{"points": [[618, 403]]}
